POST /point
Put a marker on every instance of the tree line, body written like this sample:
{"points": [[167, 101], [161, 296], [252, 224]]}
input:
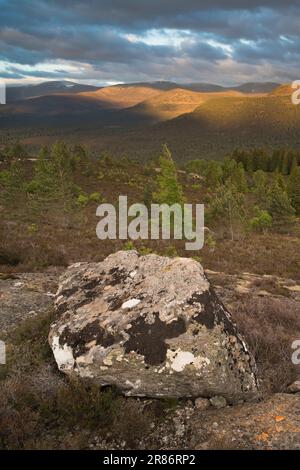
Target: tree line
{"points": [[237, 198]]}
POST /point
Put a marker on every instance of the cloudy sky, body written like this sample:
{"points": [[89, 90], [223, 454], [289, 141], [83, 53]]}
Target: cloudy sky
{"points": [[113, 41]]}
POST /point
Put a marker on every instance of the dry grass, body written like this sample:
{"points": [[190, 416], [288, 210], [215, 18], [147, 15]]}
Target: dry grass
{"points": [[40, 408], [52, 245], [270, 325], [273, 254]]}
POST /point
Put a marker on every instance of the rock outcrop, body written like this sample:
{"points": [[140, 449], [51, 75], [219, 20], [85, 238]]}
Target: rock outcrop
{"points": [[150, 325]]}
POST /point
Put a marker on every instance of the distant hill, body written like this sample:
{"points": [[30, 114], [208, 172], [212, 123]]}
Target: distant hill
{"points": [[16, 93], [172, 103], [223, 123], [213, 129], [257, 87], [60, 104], [266, 115], [158, 85], [120, 96], [283, 90], [251, 87]]}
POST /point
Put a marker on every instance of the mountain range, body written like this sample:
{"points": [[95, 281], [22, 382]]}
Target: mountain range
{"points": [[196, 120], [20, 92]]}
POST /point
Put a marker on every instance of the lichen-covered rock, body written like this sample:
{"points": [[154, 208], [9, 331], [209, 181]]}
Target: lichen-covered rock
{"points": [[150, 325], [218, 402], [294, 387]]}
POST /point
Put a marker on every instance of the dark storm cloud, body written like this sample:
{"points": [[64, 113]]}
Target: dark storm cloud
{"points": [[282, 50], [110, 38], [134, 13]]}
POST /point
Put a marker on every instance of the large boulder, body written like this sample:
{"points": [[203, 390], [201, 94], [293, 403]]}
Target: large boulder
{"points": [[150, 325]]}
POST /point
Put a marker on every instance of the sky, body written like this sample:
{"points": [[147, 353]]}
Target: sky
{"points": [[104, 42]]}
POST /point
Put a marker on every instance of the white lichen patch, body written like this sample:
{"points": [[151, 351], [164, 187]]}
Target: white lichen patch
{"points": [[180, 359], [130, 303], [200, 362], [63, 355]]}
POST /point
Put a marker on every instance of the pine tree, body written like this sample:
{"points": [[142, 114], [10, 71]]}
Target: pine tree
{"points": [[279, 205], [15, 151], [275, 162], [249, 164], [213, 174], [147, 197], [227, 207], [238, 178], [287, 161], [279, 179], [229, 166], [294, 188], [259, 186], [53, 188], [12, 182], [81, 159], [169, 189]]}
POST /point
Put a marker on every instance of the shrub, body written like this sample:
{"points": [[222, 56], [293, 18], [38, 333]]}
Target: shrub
{"points": [[133, 424], [9, 257], [82, 200], [262, 220], [86, 404], [171, 251], [128, 245], [95, 197]]}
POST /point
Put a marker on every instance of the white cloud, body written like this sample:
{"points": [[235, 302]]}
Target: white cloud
{"points": [[160, 37]]}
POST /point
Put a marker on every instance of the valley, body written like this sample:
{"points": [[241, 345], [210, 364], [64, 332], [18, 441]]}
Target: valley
{"points": [[137, 119]]}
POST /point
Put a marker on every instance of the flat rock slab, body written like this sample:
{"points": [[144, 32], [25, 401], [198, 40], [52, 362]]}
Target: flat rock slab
{"points": [[271, 424], [25, 295], [150, 325]]}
